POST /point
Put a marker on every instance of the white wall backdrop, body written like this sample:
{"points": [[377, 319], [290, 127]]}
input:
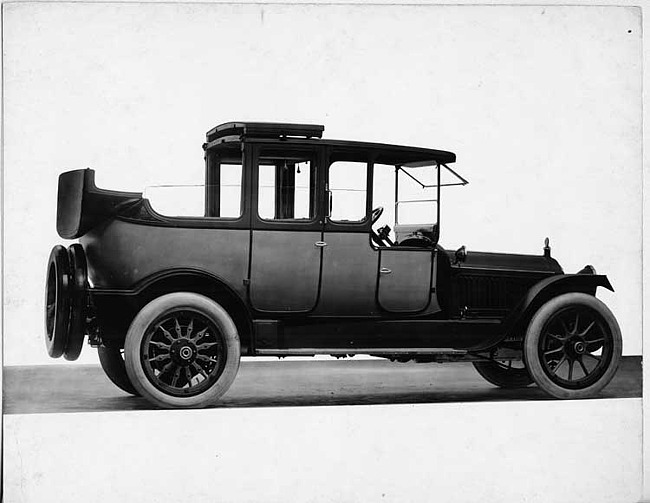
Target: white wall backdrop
{"points": [[541, 104]]}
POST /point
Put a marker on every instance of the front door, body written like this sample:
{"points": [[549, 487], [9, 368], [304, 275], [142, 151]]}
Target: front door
{"points": [[286, 245], [405, 279]]}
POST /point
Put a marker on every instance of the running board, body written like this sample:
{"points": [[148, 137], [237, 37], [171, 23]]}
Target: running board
{"points": [[357, 351], [376, 336]]}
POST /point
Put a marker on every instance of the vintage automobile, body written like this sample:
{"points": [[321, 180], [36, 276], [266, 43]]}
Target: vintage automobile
{"points": [[285, 257]]}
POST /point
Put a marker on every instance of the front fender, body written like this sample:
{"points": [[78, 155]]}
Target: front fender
{"points": [[516, 323]]}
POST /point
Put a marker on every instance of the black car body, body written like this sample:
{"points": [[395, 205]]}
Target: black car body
{"points": [[279, 272]]}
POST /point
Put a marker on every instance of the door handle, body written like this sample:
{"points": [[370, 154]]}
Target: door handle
{"points": [[385, 270], [320, 244]]}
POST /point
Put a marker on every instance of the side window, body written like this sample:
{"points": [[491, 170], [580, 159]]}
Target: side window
{"points": [[177, 200], [348, 186], [230, 184], [286, 186], [383, 194], [416, 196], [223, 189], [220, 196]]}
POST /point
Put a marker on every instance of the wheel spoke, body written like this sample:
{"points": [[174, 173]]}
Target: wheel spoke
{"points": [[206, 345], [551, 351], [199, 335], [177, 327], [166, 368], [586, 331], [593, 356], [160, 345], [566, 329], [176, 376], [584, 369], [188, 376], [159, 358], [205, 358], [167, 333], [200, 369], [575, 326], [190, 328], [559, 364], [571, 370], [595, 340]]}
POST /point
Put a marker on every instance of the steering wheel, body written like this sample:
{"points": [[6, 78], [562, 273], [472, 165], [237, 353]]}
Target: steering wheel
{"points": [[376, 213]]}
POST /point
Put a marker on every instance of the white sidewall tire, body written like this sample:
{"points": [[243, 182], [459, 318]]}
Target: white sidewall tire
{"points": [[138, 328], [534, 333]]}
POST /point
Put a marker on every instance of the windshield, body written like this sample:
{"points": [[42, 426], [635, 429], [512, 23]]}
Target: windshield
{"points": [[417, 192]]}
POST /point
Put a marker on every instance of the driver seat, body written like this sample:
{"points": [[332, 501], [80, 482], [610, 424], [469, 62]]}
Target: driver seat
{"points": [[417, 231]]}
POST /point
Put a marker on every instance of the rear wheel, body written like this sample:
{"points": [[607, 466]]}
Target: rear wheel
{"points": [[182, 350], [573, 346], [112, 361], [505, 374]]}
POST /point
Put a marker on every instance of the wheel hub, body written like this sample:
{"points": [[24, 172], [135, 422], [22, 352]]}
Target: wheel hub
{"points": [[579, 347], [183, 352]]}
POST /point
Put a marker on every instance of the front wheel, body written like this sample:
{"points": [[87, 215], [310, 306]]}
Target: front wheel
{"points": [[182, 351], [573, 346]]}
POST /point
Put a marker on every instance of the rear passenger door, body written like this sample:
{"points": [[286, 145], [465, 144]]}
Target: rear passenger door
{"points": [[286, 235]]}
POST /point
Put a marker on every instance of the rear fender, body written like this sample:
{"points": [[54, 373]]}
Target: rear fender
{"points": [[119, 307], [515, 324]]}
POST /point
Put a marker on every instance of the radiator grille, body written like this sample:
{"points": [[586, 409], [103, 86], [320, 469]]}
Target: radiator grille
{"points": [[478, 293]]}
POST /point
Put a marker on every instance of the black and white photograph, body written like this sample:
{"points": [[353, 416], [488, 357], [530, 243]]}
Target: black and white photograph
{"points": [[342, 252]]}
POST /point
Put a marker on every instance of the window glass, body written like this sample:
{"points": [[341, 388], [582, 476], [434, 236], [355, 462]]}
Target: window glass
{"points": [[231, 189], [383, 194], [223, 192], [224, 179], [286, 188], [417, 204], [348, 186], [177, 200]]}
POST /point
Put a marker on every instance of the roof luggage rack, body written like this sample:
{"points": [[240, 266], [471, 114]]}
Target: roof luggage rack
{"points": [[265, 130]]}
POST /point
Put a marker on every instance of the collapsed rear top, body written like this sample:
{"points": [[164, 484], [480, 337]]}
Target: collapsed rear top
{"points": [[81, 205]]}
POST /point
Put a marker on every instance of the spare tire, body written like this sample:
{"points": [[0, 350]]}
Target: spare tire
{"points": [[57, 302], [78, 302]]}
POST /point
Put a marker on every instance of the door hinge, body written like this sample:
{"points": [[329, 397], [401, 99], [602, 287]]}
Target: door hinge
{"points": [[246, 281]]}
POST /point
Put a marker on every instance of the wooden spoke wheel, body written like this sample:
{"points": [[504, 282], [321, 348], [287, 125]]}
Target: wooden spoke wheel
{"points": [[573, 346], [182, 350]]}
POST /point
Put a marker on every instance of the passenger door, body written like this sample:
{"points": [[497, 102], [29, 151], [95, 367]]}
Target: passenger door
{"points": [[286, 234], [349, 276], [405, 279]]}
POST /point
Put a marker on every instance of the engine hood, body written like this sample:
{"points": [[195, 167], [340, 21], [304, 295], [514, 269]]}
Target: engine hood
{"points": [[508, 262]]}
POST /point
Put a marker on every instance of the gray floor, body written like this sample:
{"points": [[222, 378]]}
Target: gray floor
{"points": [[85, 388]]}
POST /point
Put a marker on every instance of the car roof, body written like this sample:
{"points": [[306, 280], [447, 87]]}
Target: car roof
{"points": [[311, 134]]}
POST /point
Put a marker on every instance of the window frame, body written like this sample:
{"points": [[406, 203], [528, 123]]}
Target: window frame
{"points": [[350, 155], [259, 223], [211, 188]]}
